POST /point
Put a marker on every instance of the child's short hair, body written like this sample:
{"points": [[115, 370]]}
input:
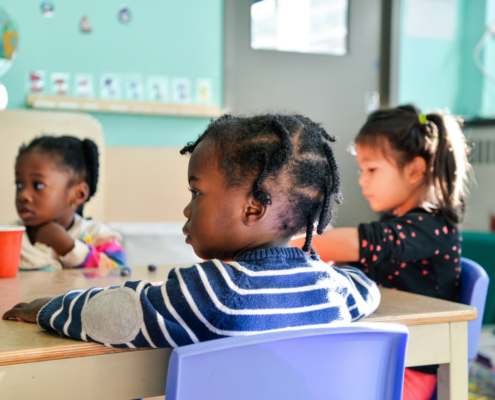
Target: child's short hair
{"points": [[292, 152], [436, 138], [80, 156]]}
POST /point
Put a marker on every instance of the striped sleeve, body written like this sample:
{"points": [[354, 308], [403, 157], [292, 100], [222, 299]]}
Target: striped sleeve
{"points": [[363, 296], [212, 300]]}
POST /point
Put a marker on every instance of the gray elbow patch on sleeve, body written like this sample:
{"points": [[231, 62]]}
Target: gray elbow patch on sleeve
{"points": [[113, 316]]}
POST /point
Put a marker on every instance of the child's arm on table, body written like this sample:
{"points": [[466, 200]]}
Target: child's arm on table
{"points": [[53, 235], [339, 244], [181, 310], [105, 252], [136, 314]]}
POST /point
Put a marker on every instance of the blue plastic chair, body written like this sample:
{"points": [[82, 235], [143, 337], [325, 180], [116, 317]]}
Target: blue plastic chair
{"points": [[474, 288], [357, 361]]}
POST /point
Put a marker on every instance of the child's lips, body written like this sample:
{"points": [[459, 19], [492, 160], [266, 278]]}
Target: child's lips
{"points": [[25, 213], [186, 233]]}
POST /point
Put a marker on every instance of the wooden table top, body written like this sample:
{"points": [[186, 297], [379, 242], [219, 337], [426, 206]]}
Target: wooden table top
{"points": [[23, 342]]}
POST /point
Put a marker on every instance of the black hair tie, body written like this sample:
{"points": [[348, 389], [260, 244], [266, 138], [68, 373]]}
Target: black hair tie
{"points": [[258, 194]]}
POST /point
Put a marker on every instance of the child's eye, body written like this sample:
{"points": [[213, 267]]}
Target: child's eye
{"points": [[19, 185], [195, 193], [372, 169], [39, 186]]}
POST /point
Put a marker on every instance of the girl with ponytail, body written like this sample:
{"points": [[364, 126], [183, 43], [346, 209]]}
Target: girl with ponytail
{"points": [[55, 177], [413, 168]]}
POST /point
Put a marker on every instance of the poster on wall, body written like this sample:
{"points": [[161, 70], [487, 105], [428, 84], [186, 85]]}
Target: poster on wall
{"points": [[110, 86], [133, 87], [181, 89], [60, 83], [36, 82], [83, 86], [158, 89], [203, 91]]}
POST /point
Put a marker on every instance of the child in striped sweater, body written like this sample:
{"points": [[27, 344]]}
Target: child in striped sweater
{"points": [[255, 182]]}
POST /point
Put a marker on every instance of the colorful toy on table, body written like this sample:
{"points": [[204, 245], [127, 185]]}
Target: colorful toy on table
{"points": [[416, 166], [55, 177], [246, 204]]}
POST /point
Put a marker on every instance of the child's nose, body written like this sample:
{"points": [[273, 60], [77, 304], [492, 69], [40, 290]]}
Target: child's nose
{"points": [[362, 182], [187, 211], [23, 196]]}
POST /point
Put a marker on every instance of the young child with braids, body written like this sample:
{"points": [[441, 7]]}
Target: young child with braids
{"points": [[255, 182], [55, 176], [413, 166]]}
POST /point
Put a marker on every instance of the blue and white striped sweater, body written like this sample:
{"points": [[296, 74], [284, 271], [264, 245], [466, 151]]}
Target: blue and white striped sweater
{"points": [[264, 290]]}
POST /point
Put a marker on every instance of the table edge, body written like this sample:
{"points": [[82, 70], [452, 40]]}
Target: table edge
{"points": [[80, 349], [428, 318], [86, 349]]}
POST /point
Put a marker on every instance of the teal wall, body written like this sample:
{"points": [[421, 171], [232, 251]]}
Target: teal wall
{"points": [[438, 73], [168, 37], [428, 68], [488, 97]]}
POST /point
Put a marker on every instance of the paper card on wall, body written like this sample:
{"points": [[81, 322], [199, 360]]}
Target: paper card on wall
{"points": [[133, 87], [433, 19], [124, 15], [109, 86], [203, 91], [85, 25], [181, 89], [83, 86], [158, 88], [36, 82], [60, 83], [47, 9]]}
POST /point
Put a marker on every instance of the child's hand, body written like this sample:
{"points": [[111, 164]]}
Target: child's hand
{"points": [[54, 235], [27, 312]]}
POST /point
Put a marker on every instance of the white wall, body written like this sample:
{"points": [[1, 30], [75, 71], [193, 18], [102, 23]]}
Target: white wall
{"points": [[481, 201], [328, 89]]}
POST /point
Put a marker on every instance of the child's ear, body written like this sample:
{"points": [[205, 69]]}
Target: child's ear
{"points": [[254, 211], [79, 193], [416, 170]]}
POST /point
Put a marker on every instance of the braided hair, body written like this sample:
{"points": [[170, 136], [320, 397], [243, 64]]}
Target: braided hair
{"points": [[78, 156], [292, 153], [438, 139]]}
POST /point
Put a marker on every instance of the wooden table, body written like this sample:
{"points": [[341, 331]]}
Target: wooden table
{"points": [[42, 365]]}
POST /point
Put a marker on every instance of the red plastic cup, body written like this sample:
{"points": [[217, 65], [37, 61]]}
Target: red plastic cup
{"points": [[10, 250]]}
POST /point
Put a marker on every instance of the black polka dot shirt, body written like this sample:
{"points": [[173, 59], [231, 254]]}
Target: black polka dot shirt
{"points": [[418, 252]]}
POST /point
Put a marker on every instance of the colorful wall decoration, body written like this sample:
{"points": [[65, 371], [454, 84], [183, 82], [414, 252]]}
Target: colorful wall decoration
{"points": [[167, 51]]}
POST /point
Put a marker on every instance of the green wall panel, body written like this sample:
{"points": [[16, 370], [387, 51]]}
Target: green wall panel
{"points": [[182, 39]]}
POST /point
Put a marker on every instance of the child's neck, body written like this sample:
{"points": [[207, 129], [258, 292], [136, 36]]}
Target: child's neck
{"points": [[279, 242], [416, 199], [67, 221]]}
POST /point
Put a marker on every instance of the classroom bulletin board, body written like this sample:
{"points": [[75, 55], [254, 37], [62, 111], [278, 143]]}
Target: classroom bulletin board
{"points": [[149, 50]]}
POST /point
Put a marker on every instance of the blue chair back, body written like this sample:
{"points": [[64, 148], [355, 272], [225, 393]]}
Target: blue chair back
{"points": [[474, 287], [357, 361]]}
